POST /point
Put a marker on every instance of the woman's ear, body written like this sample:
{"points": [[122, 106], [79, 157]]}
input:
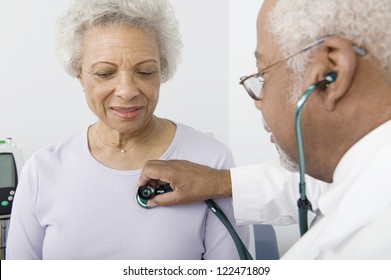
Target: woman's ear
{"points": [[335, 55]]}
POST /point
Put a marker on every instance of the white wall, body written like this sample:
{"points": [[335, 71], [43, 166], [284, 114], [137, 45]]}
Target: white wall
{"points": [[247, 138], [40, 104], [198, 94]]}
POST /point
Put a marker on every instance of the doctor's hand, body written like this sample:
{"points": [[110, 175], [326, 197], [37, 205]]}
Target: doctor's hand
{"points": [[190, 182]]}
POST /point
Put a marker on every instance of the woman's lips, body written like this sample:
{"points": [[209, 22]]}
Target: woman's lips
{"points": [[127, 113]]}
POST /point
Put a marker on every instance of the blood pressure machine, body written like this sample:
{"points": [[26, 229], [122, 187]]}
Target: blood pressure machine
{"points": [[11, 161]]}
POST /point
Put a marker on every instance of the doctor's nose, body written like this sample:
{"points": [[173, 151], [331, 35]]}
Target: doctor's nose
{"points": [[258, 104], [126, 87]]}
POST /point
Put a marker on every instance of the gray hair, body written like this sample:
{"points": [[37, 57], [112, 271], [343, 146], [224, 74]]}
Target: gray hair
{"points": [[365, 23], [152, 15]]}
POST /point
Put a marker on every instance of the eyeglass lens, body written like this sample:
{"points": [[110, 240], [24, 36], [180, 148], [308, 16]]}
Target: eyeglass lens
{"points": [[253, 86]]}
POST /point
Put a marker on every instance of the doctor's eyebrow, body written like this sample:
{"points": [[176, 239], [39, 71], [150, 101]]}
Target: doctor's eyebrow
{"points": [[259, 58], [257, 55]]}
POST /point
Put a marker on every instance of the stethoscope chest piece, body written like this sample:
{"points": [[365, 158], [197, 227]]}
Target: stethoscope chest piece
{"points": [[147, 192], [142, 202]]}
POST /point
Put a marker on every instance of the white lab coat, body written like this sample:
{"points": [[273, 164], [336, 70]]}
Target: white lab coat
{"points": [[356, 207]]}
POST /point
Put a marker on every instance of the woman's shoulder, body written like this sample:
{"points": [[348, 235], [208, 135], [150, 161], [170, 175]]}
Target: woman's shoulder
{"points": [[200, 147], [72, 143], [195, 137]]}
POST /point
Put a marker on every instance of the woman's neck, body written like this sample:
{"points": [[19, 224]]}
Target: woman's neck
{"points": [[111, 139], [128, 152]]}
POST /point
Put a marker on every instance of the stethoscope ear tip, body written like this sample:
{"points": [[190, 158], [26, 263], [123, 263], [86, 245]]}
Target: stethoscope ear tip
{"points": [[331, 77]]}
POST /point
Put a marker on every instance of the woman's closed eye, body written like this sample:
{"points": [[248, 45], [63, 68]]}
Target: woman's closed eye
{"points": [[146, 73], [104, 75], [110, 74]]}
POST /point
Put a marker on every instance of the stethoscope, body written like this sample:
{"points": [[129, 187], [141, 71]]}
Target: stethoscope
{"points": [[303, 203], [147, 192]]}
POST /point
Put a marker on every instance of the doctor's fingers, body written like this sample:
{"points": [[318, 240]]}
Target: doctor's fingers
{"points": [[153, 173], [158, 172], [171, 198]]}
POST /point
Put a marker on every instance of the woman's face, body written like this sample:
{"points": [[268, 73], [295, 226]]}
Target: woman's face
{"points": [[120, 74]]}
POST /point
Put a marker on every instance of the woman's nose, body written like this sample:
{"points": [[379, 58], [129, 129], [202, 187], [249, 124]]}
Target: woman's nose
{"points": [[126, 87]]}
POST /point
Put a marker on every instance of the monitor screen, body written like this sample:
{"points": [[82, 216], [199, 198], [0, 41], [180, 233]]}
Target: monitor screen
{"points": [[7, 171]]}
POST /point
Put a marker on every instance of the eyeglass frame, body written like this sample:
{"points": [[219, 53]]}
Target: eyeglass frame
{"points": [[360, 51]]}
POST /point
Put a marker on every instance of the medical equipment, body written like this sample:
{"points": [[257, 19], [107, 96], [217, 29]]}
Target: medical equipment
{"points": [[11, 161], [147, 192], [10, 166], [303, 203]]}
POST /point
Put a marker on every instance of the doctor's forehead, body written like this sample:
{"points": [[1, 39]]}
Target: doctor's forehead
{"points": [[265, 46], [262, 60]]}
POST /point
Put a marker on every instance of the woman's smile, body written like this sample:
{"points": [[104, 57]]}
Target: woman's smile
{"points": [[127, 113]]}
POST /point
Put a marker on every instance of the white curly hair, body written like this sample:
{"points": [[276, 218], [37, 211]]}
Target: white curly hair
{"points": [[152, 15], [365, 23]]}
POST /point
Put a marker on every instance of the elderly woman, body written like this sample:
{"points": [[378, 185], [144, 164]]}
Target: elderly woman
{"points": [[76, 199]]}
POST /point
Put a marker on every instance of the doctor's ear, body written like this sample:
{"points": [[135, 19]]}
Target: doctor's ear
{"points": [[334, 61]]}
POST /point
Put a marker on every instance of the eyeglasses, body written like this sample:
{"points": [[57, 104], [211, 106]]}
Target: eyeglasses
{"points": [[254, 83]]}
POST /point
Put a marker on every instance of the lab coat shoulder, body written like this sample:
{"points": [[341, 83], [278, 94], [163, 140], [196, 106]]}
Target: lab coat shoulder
{"points": [[267, 193]]}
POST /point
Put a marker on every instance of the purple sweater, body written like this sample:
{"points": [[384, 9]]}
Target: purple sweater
{"points": [[70, 206]]}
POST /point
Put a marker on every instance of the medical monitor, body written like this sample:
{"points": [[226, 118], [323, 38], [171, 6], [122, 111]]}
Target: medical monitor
{"points": [[8, 173], [10, 166]]}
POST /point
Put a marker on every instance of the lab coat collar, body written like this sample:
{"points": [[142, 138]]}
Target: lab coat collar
{"points": [[360, 191], [353, 164]]}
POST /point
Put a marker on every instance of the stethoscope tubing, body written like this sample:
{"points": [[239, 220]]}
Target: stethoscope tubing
{"points": [[303, 204], [142, 200]]}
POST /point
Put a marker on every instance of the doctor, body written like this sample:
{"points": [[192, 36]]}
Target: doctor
{"points": [[346, 130]]}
